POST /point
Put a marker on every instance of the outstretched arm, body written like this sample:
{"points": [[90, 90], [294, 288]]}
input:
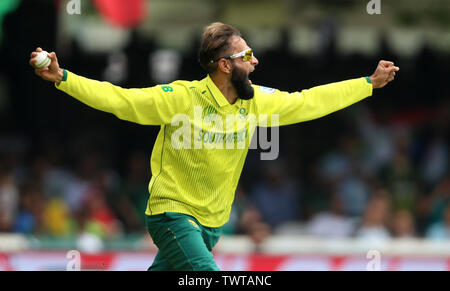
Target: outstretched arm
{"points": [[150, 106], [321, 100]]}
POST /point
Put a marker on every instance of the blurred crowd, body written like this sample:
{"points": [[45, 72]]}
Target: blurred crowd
{"points": [[376, 170], [378, 179], [46, 197]]}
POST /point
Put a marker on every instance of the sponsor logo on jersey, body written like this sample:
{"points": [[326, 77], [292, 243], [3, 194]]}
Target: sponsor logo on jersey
{"points": [[267, 89]]}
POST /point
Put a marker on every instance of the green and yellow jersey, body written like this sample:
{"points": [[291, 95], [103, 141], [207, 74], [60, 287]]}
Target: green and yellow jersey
{"points": [[201, 147]]}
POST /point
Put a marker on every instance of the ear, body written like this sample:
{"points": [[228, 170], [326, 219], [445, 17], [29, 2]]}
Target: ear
{"points": [[225, 66]]}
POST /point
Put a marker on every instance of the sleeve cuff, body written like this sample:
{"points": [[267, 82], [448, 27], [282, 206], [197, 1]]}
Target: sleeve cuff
{"points": [[63, 82], [368, 80], [64, 78]]}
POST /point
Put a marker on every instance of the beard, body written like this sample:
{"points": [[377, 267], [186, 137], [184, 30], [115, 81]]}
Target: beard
{"points": [[240, 81]]}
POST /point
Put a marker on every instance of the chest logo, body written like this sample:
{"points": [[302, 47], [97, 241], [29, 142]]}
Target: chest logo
{"points": [[267, 89]]}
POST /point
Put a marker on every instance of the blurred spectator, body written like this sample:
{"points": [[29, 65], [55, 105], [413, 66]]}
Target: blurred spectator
{"points": [[9, 199], [400, 175], [276, 196], [435, 164], [403, 225], [99, 215], [436, 160], [56, 219], [251, 224], [375, 219], [340, 170], [377, 137], [240, 205], [77, 187], [337, 163], [441, 230], [258, 233], [331, 223], [130, 199], [439, 199], [29, 217], [117, 70], [354, 193], [249, 217], [164, 65], [422, 213]]}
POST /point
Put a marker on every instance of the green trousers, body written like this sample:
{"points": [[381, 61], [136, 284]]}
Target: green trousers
{"points": [[183, 243]]}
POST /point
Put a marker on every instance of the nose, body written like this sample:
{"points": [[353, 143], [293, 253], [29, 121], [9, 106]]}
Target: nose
{"points": [[254, 61]]}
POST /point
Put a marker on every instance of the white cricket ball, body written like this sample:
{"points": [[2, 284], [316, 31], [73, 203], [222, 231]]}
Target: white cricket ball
{"points": [[42, 60]]}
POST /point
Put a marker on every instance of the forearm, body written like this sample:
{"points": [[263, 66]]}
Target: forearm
{"points": [[106, 97], [147, 106], [322, 100], [91, 92], [312, 103]]}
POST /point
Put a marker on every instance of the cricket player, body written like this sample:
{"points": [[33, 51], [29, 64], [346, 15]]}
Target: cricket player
{"points": [[198, 156]]}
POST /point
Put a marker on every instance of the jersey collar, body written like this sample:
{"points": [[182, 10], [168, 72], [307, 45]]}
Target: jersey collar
{"points": [[216, 95]]}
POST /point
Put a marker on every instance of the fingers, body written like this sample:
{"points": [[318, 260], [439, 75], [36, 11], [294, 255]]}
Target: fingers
{"points": [[386, 64], [393, 69], [391, 75], [389, 69], [39, 72], [33, 55], [52, 56], [43, 69]]}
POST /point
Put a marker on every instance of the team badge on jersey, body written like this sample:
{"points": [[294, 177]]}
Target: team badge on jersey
{"points": [[267, 89], [243, 113]]}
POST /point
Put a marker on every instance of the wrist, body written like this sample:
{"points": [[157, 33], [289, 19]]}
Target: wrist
{"points": [[61, 76], [371, 80]]}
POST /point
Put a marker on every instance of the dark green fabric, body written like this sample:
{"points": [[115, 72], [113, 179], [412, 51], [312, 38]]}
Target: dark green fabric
{"points": [[184, 244], [64, 78]]}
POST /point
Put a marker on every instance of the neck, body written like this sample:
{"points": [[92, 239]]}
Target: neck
{"points": [[225, 86]]}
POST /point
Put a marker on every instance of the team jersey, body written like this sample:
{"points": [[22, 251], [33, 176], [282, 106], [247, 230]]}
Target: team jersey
{"points": [[201, 147]]}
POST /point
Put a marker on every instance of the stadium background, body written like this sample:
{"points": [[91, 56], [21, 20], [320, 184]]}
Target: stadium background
{"points": [[374, 176]]}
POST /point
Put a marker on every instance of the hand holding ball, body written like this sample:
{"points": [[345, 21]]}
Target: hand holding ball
{"points": [[46, 66], [42, 60]]}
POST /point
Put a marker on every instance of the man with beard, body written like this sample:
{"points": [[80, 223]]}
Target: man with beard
{"points": [[196, 166]]}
